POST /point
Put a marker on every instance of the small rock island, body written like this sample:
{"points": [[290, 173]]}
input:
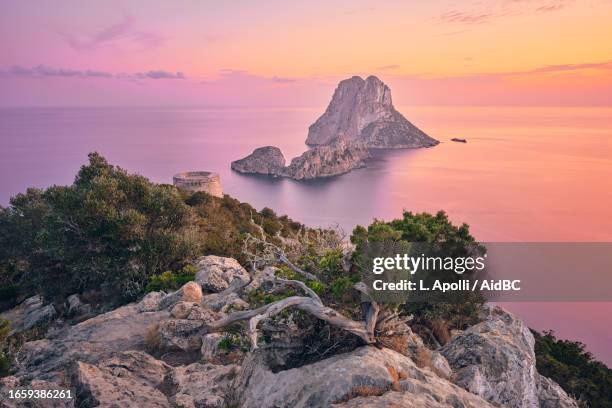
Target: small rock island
{"points": [[338, 157], [359, 117]]}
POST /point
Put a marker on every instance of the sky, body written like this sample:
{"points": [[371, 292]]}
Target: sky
{"points": [[273, 53]]}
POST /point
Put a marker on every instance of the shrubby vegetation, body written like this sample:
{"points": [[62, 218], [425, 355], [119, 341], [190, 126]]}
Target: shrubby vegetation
{"points": [[116, 233], [574, 369], [433, 317]]}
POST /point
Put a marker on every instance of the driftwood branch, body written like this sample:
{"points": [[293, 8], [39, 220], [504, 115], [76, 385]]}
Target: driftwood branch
{"points": [[306, 304], [302, 286]]}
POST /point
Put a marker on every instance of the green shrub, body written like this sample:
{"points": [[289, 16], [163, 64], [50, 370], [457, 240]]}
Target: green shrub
{"points": [[171, 281], [574, 369], [340, 286]]}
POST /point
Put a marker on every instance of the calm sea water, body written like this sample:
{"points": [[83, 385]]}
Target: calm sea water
{"points": [[526, 174]]}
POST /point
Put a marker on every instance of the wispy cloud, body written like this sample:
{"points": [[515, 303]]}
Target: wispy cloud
{"points": [[45, 71], [283, 80], [122, 31], [465, 17], [605, 65], [485, 12], [388, 67]]}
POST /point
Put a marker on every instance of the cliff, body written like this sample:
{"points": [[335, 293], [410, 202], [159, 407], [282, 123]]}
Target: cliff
{"points": [[338, 157], [363, 110]]}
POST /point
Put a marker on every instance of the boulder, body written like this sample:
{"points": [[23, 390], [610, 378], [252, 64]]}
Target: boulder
{"points": [[127, 379], [180, 335], [495, 359], [31, 312], [551, 395], [216, 273], [182, 310], [267, 160], [151, 302], [363, 110], [76, 307], [366, 371], [189, 292]]}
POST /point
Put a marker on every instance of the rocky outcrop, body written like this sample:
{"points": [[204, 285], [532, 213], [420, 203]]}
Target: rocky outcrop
{"points": [[127, 379], [30, 313], [119, 330], [363, 110], [495, 359], [201, 385], [367, 371], [194, 364], [267, 160], [216, 273], [551, 395], [338, 157]]}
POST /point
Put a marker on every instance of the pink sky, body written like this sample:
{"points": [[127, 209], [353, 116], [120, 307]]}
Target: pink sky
{"points": [[505, 52]]}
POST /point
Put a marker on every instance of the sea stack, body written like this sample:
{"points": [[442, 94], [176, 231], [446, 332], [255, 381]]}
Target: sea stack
{"points": [[267, 160], [363, 110]]}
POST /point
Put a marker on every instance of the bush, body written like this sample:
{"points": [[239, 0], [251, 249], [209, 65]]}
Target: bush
{"points": [[574, 369], [442, 239], [171, 281]]}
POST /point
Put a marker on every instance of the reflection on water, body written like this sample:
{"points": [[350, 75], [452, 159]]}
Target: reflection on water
{"points": [[526, 174]]}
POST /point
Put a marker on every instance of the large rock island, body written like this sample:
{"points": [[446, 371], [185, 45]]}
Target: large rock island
{"points": [[338, 157], [359, 117], [363, 110]]}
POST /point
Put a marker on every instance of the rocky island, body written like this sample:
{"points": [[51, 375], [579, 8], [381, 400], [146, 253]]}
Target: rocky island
{"points": [[359, 117], [363, 110], [338, 157]]}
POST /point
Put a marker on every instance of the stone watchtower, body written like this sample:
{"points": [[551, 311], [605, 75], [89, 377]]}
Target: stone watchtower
{"points": [[199, 181]]}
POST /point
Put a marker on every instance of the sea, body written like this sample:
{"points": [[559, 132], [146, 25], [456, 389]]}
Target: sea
{"points": [[526, 174]]}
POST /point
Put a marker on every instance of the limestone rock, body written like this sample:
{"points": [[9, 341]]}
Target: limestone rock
{"points": [[182, 310], [264, 160], [31, 312], [201, 385], [222, 301], [77, 308], [217, 273], [210, 346], [189, 292], [364, 371], [151, 302], [495, 359], [127, 379], [363, 110], [338, 157], [440, 365], [89, 341], [180, 334], [551, 395]]}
